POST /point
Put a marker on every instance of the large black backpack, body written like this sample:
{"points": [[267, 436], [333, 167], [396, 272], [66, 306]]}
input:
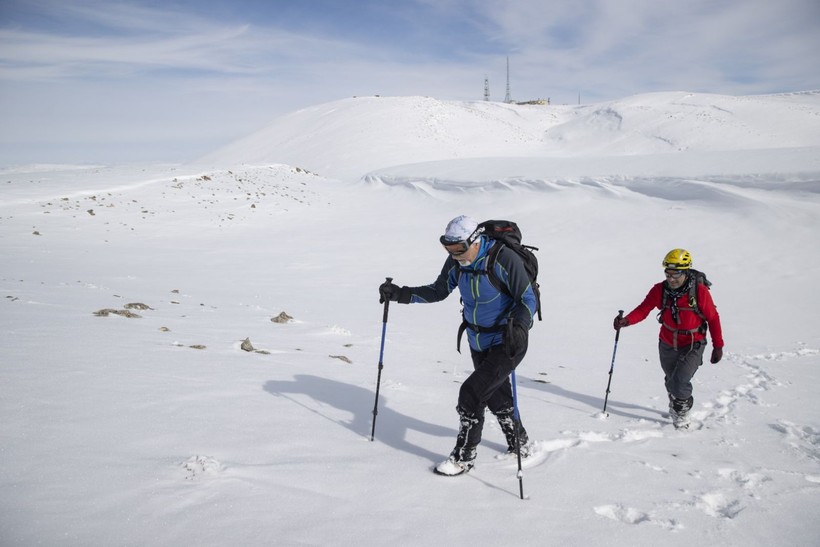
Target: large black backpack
{"points": [[506, 233]]}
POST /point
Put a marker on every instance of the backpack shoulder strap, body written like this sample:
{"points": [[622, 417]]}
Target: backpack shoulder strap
{"points": [[492, 260], [693, 295], [698, 279]]}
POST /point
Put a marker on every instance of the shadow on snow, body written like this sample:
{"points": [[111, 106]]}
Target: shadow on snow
{"points": [[391, 427]]}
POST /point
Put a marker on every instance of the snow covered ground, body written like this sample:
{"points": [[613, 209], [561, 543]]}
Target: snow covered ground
{"points": [[162, 430]]}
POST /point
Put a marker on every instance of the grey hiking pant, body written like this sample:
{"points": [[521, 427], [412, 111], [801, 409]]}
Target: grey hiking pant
{"points": [[679, 366]]}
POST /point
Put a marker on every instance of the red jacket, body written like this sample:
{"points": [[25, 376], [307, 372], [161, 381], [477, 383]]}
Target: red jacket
{"points": [[686, 330]]}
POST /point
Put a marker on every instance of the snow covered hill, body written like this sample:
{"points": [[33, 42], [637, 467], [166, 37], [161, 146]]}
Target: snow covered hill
{"points": [[148, 397], [678, 122], [348, 138]]}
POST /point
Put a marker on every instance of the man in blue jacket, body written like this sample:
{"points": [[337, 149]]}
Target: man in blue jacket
{"points": [[497, 322]]}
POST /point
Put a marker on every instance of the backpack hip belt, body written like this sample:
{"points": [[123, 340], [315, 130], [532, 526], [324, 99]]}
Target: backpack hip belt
{"points": [[689, 332], [476, 328]]}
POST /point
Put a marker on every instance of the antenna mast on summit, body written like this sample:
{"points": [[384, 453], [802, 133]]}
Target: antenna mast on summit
{"points": [[507, 99], [486, 88]]}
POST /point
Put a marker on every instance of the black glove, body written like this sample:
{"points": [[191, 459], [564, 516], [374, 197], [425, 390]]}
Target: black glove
{"points": [[717, 355], [388, 292], [620, 321], [515, 340]]}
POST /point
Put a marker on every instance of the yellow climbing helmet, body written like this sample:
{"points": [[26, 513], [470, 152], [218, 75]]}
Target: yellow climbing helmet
{"points": [[677, 259]]}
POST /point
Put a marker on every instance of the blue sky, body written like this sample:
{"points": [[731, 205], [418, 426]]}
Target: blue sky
{"points": [[169, 80]]}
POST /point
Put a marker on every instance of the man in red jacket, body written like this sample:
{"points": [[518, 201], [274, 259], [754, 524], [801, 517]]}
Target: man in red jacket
{"points": [[687, 312]]}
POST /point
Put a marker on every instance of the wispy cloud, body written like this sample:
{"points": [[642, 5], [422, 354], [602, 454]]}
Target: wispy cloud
{"points": [[124, 40]]}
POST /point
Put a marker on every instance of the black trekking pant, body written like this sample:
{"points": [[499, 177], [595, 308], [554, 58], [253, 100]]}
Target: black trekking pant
{"points": [[487, 387]]}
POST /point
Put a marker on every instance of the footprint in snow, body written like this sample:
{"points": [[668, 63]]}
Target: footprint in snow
{"points": [[630, 515], [801, 438], [717, 504], [721, 408], [200, 466], [747, 481]]}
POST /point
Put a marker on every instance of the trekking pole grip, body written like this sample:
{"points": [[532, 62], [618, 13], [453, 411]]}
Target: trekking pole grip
{"points": [[386, 301]]}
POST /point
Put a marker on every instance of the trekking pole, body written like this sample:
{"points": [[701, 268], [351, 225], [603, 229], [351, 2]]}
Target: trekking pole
{"points": [[381, 365], [516, 424], [612, 366]]}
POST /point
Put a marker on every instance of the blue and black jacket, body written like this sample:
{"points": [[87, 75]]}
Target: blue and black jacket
{"points": [[487, 309]]}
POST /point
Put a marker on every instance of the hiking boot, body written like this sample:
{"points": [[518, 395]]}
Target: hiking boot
{"points": [[526, 450], [681, 406], [507, 423], [452, 467], [462, 458], [679, 411]]}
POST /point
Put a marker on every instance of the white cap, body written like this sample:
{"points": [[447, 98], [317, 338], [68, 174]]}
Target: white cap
{"points": [[460, 229]]}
